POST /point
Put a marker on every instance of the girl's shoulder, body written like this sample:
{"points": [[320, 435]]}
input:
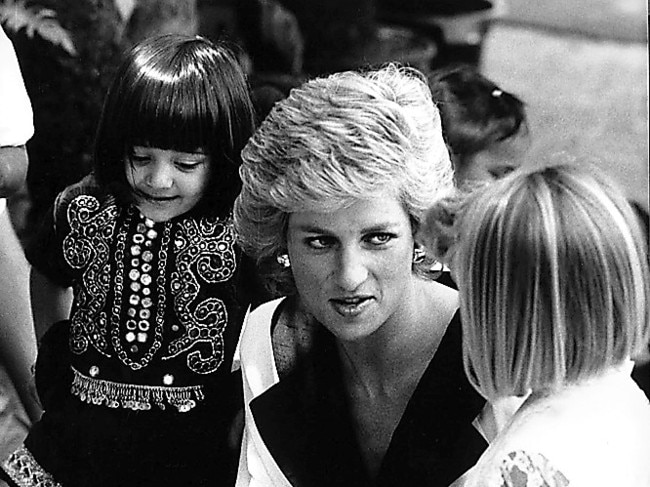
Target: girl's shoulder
{"points": [[88, 186], [591, 434], [77, 199], [515, 459]]}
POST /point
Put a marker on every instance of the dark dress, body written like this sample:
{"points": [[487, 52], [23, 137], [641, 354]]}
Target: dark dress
{"points": [[304, 422], [641, 372], [137, 385]]}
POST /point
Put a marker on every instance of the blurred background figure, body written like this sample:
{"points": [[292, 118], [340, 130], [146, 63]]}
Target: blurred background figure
{"points": [[582, 69], [18, 406], [66, 75], [484, 126], [457, 27]]}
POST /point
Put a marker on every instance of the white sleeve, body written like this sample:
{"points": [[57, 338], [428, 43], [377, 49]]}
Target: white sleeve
{"points": [[16, 120], [257, 468]]}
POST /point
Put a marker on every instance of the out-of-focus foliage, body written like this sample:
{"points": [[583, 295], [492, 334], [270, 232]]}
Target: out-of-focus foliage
{"points": [[17, 15], [66, 91]]}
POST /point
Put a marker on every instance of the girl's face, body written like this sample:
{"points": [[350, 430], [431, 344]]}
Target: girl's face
{"points": [[495, 162], [166, 183], [353, 267]]}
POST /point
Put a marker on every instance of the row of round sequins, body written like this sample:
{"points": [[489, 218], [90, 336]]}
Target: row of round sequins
{"points": [[138, 323]]}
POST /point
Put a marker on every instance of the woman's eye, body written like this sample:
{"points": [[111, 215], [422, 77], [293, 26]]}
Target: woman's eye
{"points": [[379, 238], [319, 242]]}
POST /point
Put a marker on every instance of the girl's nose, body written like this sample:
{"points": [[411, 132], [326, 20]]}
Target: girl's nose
{"points": [[159, 176], [352, 270]]}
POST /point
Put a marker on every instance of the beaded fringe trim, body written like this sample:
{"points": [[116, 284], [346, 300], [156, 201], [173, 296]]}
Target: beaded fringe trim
{"points": [[134, 396], [25, 471]]}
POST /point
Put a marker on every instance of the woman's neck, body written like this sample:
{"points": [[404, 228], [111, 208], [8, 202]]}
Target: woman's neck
{"points": [[381, 372], [383, 362]]}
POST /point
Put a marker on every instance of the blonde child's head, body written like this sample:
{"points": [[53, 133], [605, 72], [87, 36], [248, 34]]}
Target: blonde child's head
{"points": [[552, 272]]}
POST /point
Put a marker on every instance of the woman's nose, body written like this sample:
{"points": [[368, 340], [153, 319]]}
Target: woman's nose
{"points": [[159, 176], [352, 271]]}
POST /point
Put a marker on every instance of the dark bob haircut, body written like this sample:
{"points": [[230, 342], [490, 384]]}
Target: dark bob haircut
{"points": [[476, 113], [180, 93]]}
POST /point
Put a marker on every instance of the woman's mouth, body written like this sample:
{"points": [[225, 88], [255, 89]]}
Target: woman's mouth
{"points": [[353, 306]]}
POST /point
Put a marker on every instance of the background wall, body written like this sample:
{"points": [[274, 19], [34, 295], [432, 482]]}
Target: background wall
{"points": [[582, 68]]}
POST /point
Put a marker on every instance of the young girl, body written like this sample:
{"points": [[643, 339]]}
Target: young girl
{"points": [[553, 284], [136, 384], [484, 126]]}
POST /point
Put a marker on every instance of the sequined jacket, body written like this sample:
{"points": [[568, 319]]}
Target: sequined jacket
{"points": [[155, 308], [155, 319]]}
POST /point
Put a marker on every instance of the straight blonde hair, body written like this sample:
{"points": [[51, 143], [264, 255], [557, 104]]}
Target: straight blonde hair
{"points": [[552, 270]]}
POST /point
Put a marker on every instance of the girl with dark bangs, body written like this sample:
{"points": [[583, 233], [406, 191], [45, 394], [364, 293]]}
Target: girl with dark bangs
{"points": [[138, 269]]}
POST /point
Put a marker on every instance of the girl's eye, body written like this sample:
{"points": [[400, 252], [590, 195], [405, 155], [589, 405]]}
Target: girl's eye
{"points": [[379, 238], [139, 160], [501, 171], [187, 166]]}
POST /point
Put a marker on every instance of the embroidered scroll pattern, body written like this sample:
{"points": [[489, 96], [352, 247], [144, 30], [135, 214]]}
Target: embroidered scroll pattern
{"points": [[25, 471], [205, 254], [87, 247]]}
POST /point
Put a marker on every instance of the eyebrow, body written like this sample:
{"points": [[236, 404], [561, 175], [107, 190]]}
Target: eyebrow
{"points": [[378, 227]]}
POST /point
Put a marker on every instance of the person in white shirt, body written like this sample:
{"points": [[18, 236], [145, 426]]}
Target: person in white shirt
{"points": [[18, 405]]}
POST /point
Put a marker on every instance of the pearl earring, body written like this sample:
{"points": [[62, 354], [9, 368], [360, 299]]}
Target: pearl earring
{"points": [[283, 260]]}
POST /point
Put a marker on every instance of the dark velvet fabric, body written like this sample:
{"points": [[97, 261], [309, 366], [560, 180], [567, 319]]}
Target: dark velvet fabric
{"points": [[305, 423]]}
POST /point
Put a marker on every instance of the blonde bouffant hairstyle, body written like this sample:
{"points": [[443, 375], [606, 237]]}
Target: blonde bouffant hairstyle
{"points": [[552, 271], [337, 139]]}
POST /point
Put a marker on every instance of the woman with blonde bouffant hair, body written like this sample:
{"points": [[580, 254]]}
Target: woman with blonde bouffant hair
{"points": [[353, 376]]}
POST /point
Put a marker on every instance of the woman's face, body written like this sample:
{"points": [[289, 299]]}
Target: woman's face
{"points": [[353, 267], [166, 183]]}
